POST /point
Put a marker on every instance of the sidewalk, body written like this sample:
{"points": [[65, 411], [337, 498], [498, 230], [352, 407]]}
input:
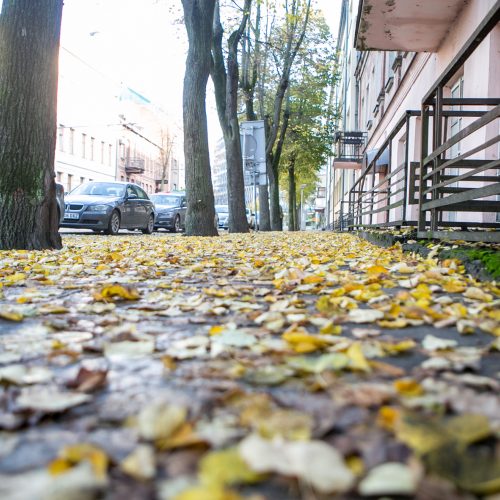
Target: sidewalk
{"points": [[263, 366]]}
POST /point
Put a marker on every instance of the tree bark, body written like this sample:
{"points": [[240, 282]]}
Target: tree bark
{"points": [[292, 196], [29, 53], [226, 95], [200, 214]]}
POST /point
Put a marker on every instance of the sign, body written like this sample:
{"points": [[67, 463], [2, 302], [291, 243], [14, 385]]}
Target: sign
{"points": [[253, 149]]}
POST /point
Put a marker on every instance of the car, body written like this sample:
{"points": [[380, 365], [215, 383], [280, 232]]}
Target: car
{"points": [[60, 202], [222, 216], [109, 206], [250, 219], [170, 211]]}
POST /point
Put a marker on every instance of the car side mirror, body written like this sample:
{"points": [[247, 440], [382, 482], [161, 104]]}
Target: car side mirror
{"points": [[132, 196]]}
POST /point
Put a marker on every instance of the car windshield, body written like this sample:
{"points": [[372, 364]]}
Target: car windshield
{"points": [[165, 199], [99, 189], [221, 209]]}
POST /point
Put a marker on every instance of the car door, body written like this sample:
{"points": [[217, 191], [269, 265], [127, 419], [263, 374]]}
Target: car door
{"points": [[130, 212], [144, 207]]}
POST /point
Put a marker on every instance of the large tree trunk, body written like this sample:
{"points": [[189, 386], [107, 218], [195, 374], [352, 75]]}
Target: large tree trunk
{"points": [[226, 94], [200, 214], [29, 52], [274, 160]]}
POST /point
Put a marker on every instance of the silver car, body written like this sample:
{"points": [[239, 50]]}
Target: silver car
{"points": [[108, 207]]}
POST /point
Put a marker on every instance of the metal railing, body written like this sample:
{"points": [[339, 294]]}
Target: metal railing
{"points": [[459, 174], [382, 193], [349, 146]]}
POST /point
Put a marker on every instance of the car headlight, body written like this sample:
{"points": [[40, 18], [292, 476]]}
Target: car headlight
{"points": [[98, 208]]}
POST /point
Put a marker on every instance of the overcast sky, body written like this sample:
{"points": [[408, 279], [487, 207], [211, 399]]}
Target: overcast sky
{"points": [[142, 44]]}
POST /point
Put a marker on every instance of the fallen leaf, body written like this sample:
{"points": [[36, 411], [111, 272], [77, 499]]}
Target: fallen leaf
{"points": [[314, 462]]}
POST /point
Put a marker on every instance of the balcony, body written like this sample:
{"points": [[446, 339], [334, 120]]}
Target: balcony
{"points": [[405, 25], [349, 148], [134, 166]]}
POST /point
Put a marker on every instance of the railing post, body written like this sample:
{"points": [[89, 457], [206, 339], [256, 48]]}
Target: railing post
{"points": [[423, 167], [438, 127], [405, 171], [373, 195], [389, 181]]}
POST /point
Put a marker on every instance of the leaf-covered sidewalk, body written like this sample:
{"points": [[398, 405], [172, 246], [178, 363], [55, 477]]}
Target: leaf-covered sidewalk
{"points": [[261, 366]]}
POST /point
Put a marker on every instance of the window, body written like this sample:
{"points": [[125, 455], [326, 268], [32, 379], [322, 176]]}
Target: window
{"points": [[92, 146], [140, 193], [69, 183], [84, 144], [61, 138], [59, 176], [102, 152], [71, 141], [110, 150], [82, 180]]}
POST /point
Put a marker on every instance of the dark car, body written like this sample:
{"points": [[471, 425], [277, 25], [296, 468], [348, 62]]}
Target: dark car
{"points": [[60, 201], [170, 211], [108, 207]]}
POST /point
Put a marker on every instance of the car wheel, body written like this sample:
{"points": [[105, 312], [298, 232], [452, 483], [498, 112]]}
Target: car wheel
{"points": [[150, 226], [177, 224], [114, 223]]}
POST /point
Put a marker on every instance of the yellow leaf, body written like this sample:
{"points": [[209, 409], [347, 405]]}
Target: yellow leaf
{"points": [[10, 315], [216, 329], [122, 291], [312, 280], [387, 417], [208, 492], [331, 329], [183, 437], [226, 467], [52, 309], [397, 323], [421, 292], [477, 294], [356, 465], [408, 387], [377, 270], [74, 454], [12, 279], [357, 358]]}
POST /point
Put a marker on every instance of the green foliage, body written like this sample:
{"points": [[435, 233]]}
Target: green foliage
{"points": [[489, 258]]}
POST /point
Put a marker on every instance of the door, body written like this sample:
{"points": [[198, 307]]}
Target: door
{"points": [[130, 216], [143, 207]]}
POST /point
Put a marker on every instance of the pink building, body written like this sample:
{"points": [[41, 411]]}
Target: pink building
{"points": [[419, 97]]}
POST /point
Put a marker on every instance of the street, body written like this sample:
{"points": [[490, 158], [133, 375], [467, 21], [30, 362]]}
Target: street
{"points": [[261, 366]]}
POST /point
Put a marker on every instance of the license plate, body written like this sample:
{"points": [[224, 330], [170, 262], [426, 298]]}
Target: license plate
{"points": [[70, 215]]}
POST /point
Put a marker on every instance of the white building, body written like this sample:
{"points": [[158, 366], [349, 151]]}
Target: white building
{"points": [[107, 131]]}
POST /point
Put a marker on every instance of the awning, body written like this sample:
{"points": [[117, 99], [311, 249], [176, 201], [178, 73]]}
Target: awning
{"points": [[405, 25]]}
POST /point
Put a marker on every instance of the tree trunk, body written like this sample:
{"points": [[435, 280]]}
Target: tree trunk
{"points": [[29, 52], [264, 214], [292, 197], [200, 214], [226, 94], [275, 157], [291, 49]]}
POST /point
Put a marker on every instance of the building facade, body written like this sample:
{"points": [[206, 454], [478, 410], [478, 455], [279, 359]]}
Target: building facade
{"points": [[419, 98], [107, 131]]}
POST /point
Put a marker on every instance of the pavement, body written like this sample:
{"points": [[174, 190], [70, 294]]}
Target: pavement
{"points": [[261, 366]]}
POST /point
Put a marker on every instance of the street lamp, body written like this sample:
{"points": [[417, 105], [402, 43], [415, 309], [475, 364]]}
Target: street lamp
{"points": [[302, 221]]}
